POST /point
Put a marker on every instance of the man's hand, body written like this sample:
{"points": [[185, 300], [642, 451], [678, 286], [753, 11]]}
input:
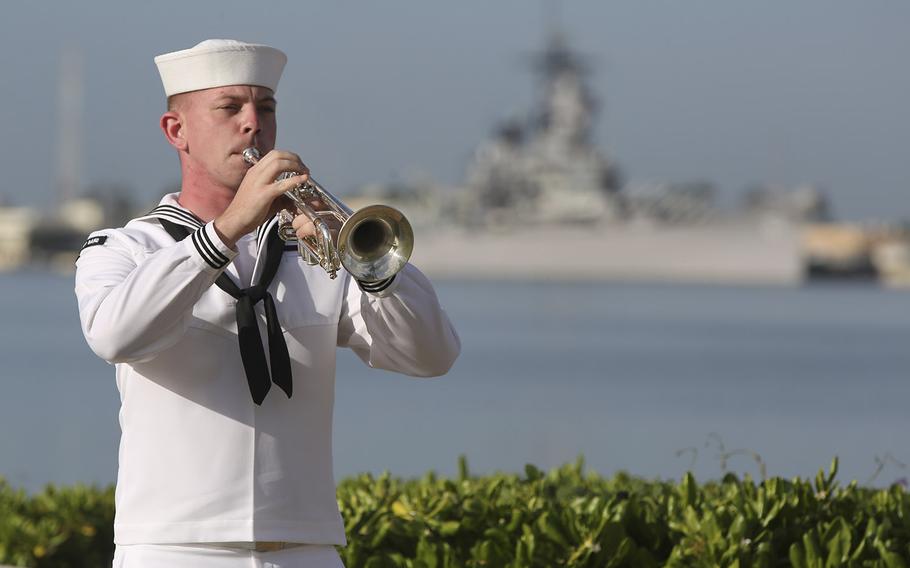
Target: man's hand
{"points": [[304, 226], [259, 196]]}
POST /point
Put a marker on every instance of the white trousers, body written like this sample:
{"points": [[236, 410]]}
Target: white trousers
{"points": [[208, 556]]}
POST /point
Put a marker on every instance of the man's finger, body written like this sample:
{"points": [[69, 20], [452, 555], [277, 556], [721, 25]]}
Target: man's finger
{"points": [[277, 161], [290, 183]]}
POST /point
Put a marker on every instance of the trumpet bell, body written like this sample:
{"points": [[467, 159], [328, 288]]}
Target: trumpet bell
{"points": [[375, 242]]}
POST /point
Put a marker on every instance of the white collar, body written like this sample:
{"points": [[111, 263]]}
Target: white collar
{"points": [[169, 208]]}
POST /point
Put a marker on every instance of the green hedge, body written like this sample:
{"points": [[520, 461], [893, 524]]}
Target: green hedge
{"points": [[57, 528], [565, 517]]}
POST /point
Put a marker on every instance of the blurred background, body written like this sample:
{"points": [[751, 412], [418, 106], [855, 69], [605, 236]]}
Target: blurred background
{"points": [[671, 235]]}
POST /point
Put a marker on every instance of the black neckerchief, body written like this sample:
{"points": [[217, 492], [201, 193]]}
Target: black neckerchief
{"points": [[251, 351]]}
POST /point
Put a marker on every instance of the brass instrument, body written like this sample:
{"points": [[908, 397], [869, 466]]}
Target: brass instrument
{"points": [[374, 242]]}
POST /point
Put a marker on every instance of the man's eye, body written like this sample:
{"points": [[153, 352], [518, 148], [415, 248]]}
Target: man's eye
{"points": [[230, 107], [267, 110]]}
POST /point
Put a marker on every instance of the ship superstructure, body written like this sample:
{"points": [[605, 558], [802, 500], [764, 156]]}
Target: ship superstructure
{"points": [[546, 168], [542, 201]]}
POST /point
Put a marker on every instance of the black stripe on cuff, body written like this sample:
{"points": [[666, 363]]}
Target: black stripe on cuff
{"points": [[375, 287], [207, 250]]}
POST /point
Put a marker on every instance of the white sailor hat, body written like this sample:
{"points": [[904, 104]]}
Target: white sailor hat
{"points": [[218, 63]]}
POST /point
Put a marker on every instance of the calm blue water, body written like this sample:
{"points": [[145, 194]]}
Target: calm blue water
{"points": [[626, 374]]}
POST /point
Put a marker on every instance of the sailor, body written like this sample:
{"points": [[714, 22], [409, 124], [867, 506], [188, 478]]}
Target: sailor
{"points": [[224, 342]]}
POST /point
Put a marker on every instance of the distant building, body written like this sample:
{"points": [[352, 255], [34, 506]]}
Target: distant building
{"points": [[57, 238], [16, 224]]}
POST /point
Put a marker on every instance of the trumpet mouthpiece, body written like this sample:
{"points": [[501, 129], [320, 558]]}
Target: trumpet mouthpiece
{"points": [[251, 156]]}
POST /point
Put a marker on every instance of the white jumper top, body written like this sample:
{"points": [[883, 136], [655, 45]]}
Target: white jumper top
{"points": [[199, 460]]}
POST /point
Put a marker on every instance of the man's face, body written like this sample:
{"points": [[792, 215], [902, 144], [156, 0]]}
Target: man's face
{"points": [[219, 123]]}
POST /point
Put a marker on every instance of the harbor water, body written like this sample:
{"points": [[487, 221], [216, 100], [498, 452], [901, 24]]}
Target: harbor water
{"points": [[651, 379]]}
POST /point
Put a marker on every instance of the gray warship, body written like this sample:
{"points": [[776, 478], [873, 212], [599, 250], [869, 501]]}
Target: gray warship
{"points": [[541, 201]]}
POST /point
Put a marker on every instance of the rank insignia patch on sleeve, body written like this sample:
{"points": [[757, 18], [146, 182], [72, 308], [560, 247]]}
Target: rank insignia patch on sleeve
{"points": [[94, 241]]}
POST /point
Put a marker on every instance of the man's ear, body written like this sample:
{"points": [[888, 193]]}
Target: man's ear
{"points": [[172, 126]]}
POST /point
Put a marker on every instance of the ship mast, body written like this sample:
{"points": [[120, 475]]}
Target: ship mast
{"points": [[69, 133]]}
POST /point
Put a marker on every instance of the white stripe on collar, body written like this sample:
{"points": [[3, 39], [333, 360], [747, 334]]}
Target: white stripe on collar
{"points": [[177, 215], [169, 208]]}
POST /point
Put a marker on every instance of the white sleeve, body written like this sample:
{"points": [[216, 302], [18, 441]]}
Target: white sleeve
{"points": [[401, 328], [133, 304]]}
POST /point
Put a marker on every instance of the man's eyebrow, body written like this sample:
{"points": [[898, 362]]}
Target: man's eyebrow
{"points": [[224, 97]]}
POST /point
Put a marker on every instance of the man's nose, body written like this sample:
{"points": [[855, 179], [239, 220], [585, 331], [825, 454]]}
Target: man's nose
{"points": [[251, 121]]}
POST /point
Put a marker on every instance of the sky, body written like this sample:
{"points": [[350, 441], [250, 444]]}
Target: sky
{"points": [[733, 93]]}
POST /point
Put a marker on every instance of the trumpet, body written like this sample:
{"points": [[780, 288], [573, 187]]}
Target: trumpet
{"points": [[374, 242]]}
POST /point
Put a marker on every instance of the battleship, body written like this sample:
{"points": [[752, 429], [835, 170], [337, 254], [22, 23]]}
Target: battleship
{"points": [[541, 201]]}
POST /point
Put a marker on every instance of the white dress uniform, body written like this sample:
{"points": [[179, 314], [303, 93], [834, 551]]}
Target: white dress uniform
{"points": [[199, 461]]}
